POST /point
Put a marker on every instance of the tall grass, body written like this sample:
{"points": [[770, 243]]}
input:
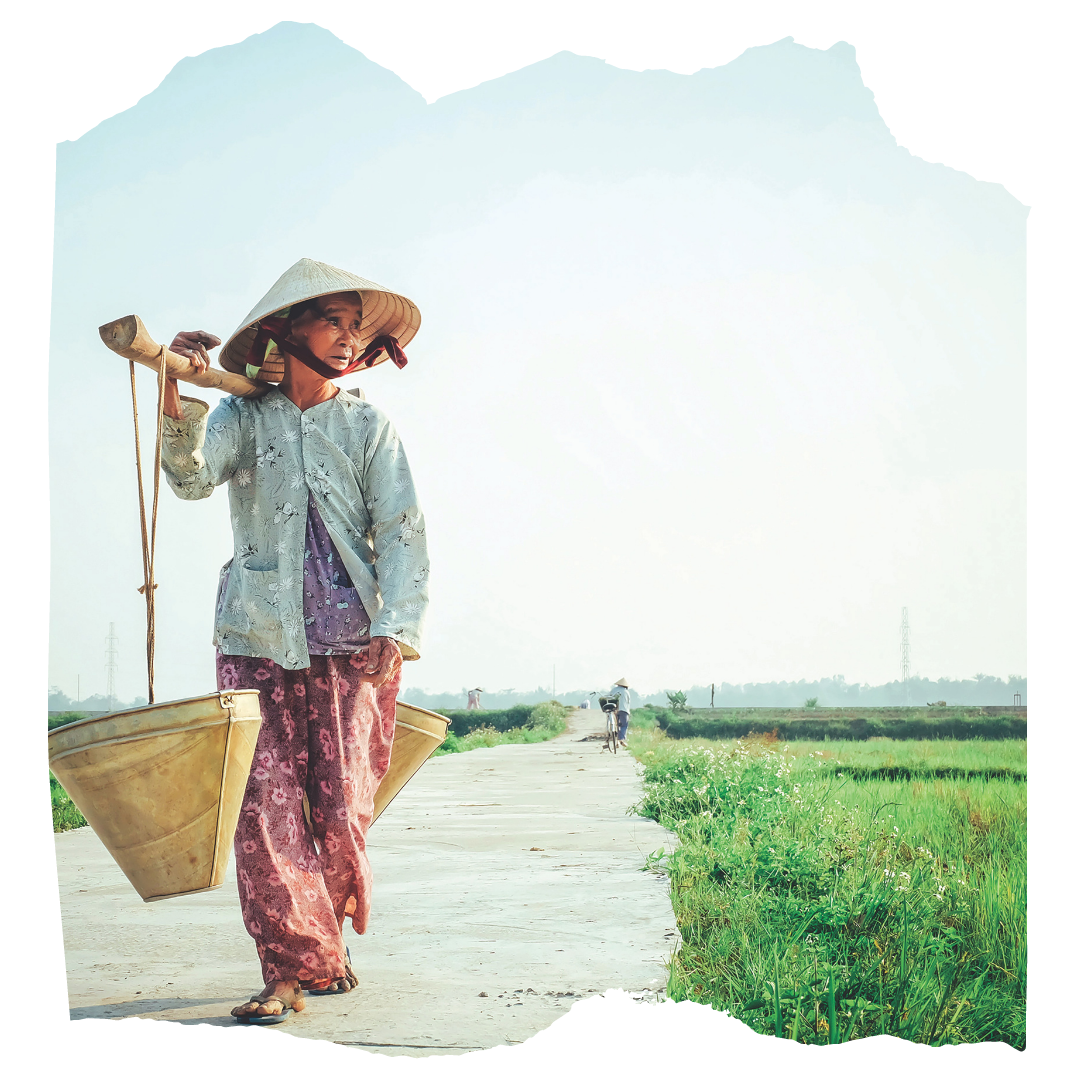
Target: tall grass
{"points": [[65, 814], [538, 723], [821, 899]]}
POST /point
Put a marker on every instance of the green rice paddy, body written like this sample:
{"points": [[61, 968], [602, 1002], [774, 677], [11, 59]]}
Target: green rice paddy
{"points": [[830, 891]]}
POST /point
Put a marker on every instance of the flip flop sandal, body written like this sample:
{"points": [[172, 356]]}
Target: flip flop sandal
{"points": [[268, 1018], [349, 974]]}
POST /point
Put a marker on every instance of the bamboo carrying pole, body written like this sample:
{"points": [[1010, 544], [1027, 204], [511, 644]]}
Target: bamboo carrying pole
{"points": [[129, 338], [162, 785]]}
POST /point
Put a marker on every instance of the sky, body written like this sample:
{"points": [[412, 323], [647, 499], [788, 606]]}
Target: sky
{"points": [[690, 353]]}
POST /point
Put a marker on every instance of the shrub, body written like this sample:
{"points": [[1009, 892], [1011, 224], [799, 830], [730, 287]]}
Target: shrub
{"points": [[548, 716], [858, 728], [663, 717], [65, 718], [462, 721], [536, 723]]}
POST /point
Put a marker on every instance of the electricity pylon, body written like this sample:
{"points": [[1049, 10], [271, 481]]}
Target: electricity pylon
{"points": [[905, 656], [111, 643]]}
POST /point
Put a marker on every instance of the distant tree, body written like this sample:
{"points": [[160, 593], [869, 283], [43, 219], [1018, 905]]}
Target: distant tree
{"points": [[677, 700], [58, 700], [810, 703]]}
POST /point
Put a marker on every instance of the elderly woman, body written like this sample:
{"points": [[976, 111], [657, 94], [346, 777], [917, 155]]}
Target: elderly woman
{"points": [[324, 596]]}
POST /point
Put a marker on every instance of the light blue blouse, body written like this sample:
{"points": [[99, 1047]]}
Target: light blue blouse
{"points": [[346, 453]]}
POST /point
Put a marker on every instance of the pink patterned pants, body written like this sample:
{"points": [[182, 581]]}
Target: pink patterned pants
{"points": [[329, 733]]}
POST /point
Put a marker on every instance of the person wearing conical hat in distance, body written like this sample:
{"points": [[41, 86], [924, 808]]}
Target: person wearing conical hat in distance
{"points": [[323, 598], [474, 698], [621, 691]]}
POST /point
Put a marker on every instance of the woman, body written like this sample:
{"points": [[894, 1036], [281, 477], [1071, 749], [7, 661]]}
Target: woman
{"points": [[324, 596]]}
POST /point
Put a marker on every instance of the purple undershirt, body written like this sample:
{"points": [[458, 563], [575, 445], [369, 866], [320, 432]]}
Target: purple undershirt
{"points": [[334, 618]]}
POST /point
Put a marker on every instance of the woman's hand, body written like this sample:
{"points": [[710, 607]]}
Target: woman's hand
{"points": [[191, 344], [383, 660]]}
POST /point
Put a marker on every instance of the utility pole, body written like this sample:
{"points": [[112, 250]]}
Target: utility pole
{"points": [[905, 656], [111, 643], [712, 696]]}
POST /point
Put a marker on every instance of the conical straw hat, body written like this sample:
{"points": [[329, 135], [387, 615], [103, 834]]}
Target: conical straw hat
{"points": [[384, 312], [622, 682]]}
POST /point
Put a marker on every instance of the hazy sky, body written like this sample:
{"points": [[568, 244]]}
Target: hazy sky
{"points": [[714, 378]]}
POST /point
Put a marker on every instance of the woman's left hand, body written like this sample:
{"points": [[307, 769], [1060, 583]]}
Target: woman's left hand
{"points": [[383, 660]]}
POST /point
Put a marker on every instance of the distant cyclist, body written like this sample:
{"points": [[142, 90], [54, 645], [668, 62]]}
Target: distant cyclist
{"points": [[621, 691]]}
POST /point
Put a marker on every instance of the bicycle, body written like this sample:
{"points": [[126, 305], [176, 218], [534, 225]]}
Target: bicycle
{"points": [[610, 706]]}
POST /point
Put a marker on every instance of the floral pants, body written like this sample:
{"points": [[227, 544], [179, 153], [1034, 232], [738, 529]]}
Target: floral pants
{"points": [[328, 733]]}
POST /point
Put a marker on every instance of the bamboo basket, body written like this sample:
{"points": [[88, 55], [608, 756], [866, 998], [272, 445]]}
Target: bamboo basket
{"points": [[417, 735], [162, 786]]}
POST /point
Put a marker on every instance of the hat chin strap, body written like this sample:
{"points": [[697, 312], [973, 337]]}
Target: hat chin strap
{"points": [[276, 330]]}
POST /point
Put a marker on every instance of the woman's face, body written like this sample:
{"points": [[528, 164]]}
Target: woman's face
{"points": [[331, 329]]}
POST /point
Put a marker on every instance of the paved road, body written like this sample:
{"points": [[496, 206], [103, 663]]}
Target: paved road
{"points": [[519, 892]]}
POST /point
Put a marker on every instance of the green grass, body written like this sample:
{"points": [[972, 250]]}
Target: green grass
{"points": [[65, 814], [831, 892], [538, 723]]}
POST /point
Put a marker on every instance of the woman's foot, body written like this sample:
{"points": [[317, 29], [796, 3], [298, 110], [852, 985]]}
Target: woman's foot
{"points": [[276, 998], [341, 985], [331, 986]]}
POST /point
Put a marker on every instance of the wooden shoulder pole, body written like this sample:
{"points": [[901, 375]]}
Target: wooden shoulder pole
{"points": [[128, 337]]}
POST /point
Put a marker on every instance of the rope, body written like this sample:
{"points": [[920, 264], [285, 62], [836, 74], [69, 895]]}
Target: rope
{"points": [[149, 537]]}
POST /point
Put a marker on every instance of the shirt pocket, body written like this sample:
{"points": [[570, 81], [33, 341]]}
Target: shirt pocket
{"points": [[247, 606]]}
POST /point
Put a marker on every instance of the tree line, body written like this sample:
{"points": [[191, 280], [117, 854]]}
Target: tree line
{"points": [[833, 692]]}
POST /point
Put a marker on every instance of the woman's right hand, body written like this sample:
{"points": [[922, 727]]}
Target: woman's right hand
{"points": [[191, 344]]}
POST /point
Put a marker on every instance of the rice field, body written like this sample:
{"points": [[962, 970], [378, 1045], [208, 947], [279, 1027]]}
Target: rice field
{"points": [[830, 891]]}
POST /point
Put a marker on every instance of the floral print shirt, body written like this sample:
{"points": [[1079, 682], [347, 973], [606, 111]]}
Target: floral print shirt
{"points": [[344, 455]]}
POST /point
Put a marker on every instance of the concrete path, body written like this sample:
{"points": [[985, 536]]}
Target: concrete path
{"points": [[520, 892]]}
